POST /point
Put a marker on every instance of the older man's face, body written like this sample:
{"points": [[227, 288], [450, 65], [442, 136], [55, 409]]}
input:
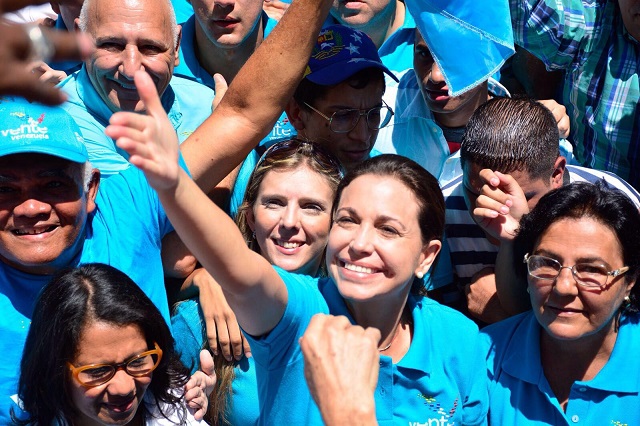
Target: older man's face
{"points": [[43, 209], [130, 35]]}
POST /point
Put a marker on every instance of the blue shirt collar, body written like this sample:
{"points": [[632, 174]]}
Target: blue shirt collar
{"points": [[617, 375]]}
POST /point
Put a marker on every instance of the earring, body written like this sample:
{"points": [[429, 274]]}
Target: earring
{"points": [[419, 275], [528, 290], [627, 299]]}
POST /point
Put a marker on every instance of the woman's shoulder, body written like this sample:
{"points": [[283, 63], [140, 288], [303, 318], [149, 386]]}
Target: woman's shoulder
{"points": [[515, 337], [290, 278], [443, 316], [501, 329]]}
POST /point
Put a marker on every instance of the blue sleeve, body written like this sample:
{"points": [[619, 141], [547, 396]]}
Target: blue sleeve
{"points": [[187, 327], [280, 346]]}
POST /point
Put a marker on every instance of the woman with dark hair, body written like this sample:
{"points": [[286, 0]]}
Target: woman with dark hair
{"points": [[573, 357], [388, 219], [289, 226], [99, 352]]}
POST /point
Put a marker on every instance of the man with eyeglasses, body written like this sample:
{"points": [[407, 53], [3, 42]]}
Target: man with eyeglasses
{"points": [[509, 152], [338, 104]]}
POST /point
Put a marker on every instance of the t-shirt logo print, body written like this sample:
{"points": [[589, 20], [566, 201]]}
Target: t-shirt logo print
{"points": [[434, 406]]}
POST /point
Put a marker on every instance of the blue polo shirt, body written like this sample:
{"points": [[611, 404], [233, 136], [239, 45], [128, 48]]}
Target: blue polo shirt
{"points": [[125, 231], [519, 393], [440, 379], [187, 104]]}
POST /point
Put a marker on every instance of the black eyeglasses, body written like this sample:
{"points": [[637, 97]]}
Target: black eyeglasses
{"points": [[345, 120], [285, 148], [98, 374], [588, 275]]}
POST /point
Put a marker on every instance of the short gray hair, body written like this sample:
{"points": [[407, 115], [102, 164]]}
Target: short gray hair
{"points": [[87, 175], [83, 21]]}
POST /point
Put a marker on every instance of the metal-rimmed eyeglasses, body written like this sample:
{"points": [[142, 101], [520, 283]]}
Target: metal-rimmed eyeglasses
{"points": [[345, 120], [98, 374], [588, 275]]}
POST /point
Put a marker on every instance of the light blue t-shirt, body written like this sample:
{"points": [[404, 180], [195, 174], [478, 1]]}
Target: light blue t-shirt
{"points": [[189, 331], [187, 104], [440, 379], [125, 231], [519, 393]]}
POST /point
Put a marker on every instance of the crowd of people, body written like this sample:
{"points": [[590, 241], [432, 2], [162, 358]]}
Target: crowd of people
{"points": [[236, 212]]}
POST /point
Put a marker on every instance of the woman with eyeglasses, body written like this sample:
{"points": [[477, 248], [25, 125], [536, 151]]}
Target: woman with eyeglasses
{"points": [[388, 220], [285, 217], [573, 358], [99, 352]]}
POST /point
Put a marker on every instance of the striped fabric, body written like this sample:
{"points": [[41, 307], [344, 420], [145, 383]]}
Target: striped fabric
{"points": [[470, 251]]}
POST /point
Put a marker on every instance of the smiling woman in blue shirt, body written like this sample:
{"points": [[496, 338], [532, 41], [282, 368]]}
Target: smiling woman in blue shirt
{"points": [[573, 357]]}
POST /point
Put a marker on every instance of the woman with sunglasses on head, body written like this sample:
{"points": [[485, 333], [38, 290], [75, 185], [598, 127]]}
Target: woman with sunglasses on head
{"points": [[388, 220], [573, 358], [285, 217], [99, 352]]}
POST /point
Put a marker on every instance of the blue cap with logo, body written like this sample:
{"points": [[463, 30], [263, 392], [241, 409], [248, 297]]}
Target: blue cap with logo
{"points": [[38, 129], [339, 53]]}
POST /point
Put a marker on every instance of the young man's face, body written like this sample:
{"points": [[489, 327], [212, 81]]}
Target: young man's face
{"points": [[43, 208], [355, 146], [362, 14], [453, 109], [227, 23]]}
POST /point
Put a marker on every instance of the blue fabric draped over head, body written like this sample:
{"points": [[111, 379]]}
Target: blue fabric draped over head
{"points": [[482, 36]]}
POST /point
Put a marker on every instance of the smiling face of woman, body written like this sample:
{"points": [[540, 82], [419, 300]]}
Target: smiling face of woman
{"points": [[565, 310], [117, 401], [375, 246], [291, 218]]}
